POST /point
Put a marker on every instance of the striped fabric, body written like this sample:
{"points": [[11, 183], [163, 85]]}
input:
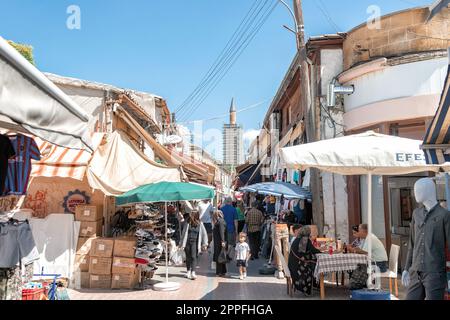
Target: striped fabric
{"points": [[63, 162], [327, 263], [438, 133]]}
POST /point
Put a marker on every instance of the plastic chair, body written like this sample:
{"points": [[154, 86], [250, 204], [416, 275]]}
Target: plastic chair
{"points": [[287, 273], [392, 273]]}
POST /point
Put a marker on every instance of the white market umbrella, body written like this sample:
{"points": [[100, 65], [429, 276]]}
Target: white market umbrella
{"points": [[31, 101], [368, 154]]}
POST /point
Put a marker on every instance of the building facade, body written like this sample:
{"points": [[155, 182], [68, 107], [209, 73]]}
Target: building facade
{"points": [[398, 72]]}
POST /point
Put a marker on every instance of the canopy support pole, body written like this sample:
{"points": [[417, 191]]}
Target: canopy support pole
{"points": [[369, 229], [447, 189], [166, 286]]}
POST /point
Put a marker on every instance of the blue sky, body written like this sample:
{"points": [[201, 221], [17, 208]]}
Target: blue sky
{"points": [[165, 47]]}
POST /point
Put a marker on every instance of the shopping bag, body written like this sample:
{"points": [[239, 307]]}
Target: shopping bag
{"points": [[177, 257], [223, 256], [358, 277]]}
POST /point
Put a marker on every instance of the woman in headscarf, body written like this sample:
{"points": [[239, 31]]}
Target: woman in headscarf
{"points": [[219, 239], [302, 261]]}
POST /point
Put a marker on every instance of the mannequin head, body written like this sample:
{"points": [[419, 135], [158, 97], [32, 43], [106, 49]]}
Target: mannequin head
{"points": [[425, 192]]}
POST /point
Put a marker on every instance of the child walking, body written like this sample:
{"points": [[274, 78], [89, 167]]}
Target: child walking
{"points": [[242, 255]]}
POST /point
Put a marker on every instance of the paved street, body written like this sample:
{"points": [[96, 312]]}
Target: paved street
{"points": [[208, 287]]}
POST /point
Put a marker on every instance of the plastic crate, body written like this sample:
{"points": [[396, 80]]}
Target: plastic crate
{"points": [[365, 294], [32, 294]]}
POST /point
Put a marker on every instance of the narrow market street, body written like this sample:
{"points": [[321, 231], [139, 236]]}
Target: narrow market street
{"points": [[148, 147], [209, 287]]}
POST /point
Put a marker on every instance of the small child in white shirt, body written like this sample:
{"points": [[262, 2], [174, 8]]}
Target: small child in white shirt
{"points": [[242, 255]]}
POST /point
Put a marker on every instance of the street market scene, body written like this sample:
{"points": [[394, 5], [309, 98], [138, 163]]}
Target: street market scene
{"points": [[225, 150]]}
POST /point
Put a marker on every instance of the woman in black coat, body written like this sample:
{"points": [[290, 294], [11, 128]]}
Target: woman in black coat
{"points": [[219, 238], [302, 261]]}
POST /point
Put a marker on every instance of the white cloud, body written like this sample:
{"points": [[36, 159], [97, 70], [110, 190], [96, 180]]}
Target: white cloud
{"points": [[250, 135]]}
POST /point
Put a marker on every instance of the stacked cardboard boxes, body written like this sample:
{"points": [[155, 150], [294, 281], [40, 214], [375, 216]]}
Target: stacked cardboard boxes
{"points": [[91, 223], [100, 263], [124, 270]]}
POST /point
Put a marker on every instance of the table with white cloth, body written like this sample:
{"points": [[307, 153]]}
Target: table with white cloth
{"points": [[337, 262]]}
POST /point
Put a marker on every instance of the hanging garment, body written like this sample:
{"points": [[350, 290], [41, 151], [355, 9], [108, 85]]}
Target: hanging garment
{"points": [[19, 167], [7, 151], [16, 244]]}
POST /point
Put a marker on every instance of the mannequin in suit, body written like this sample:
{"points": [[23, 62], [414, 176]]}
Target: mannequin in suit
{"points": [[424, 274]]}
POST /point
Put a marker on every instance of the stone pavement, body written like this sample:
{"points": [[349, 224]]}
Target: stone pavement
{"points": [[209, 287]]}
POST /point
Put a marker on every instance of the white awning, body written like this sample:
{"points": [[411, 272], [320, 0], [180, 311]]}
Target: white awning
{"points": [[30, 100], [119, 166]]}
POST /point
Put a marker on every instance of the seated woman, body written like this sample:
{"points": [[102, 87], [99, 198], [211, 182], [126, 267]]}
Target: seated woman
{"points": [[302, 261]]}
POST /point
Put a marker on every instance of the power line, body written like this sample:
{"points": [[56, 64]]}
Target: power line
{"points": [[321, 6], [253, 106], [231, 52], [220, 57], [230, 61], [225, 51]]}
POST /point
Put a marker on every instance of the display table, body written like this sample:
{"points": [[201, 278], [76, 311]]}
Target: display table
{"points": [[336, 262]]}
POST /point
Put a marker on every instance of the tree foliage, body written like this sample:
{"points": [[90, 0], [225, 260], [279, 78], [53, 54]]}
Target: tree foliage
{"points": [[25, 50]]}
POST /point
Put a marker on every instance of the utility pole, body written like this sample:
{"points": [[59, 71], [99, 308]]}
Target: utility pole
{"points": [[305, 94]]}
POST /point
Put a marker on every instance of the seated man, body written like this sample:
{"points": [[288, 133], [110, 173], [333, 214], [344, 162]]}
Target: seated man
{"points": [[379, 255]]}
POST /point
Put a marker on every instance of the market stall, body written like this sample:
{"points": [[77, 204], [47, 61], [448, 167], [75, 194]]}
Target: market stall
{"points": [[31, 106], [165, 192], [277, 227], [368, 154]]}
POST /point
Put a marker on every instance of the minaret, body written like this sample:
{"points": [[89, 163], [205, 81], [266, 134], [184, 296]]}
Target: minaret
{"points": [[232, 113]]}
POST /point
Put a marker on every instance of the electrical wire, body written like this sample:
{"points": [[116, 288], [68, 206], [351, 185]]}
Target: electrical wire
{"points": [[230, 62], [221, 55], [230, 57], [223, 64], [253, 106]]}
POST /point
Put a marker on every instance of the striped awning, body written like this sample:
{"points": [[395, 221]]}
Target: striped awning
{"points": [[63, 162], [436, 145]]}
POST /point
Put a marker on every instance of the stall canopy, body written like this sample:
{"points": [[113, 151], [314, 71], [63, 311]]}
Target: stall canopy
{"points": [[437, 140], [166, 192], [63, 162], [31, 101], [278, 189], [359, 154], [368, 154], [244, 172], [119, 166]]}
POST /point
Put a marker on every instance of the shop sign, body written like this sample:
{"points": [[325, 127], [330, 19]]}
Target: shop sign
{"points": [[74, 199]]}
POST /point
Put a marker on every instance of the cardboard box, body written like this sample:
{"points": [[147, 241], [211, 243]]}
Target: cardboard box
{"points": [[125, 281], [123, 265], [91, 229], [100, 266], [84, 245], [82, 263], [124, 247], [85, 279], [102, 247], [100, 281], [87, 213]]}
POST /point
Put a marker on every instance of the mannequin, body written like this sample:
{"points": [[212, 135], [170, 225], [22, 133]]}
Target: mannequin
{"points": [[424, 274]]}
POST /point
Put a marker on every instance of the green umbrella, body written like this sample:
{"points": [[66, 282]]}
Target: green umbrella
{"points": [[165, 192]]}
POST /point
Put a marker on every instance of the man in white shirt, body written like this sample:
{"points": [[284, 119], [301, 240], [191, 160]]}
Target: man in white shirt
{"points": [[205, 210], [379, 255]]}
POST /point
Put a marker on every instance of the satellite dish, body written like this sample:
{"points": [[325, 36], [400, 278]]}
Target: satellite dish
{"points": [[174, 139]]}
